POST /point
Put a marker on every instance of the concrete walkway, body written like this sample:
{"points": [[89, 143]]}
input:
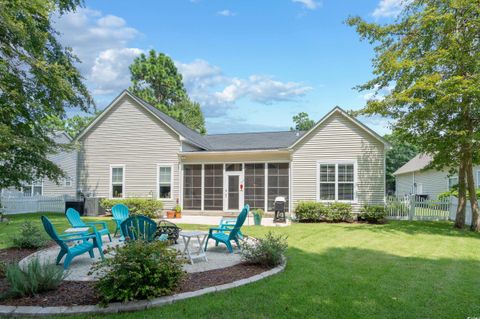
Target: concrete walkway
{"points": [[215, 220], [218, 257]]}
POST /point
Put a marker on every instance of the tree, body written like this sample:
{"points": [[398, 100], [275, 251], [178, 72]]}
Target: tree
{"points": [[38, 79], [400, 153], [302, 122], [428, 61], [156, 80], [72, 125]]}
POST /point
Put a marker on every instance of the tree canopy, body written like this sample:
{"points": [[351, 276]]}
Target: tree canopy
{"points": [[38, 79], [302, 122], [429, 60], [156, 79], [400, 153]]}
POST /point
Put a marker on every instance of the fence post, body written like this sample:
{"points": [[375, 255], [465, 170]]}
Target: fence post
{"points": [[411, 212]]}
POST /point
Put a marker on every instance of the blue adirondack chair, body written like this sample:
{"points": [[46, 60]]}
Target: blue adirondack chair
{"points": [[120, 213], [74, 219], [228, 223], [224, 235], [139, 228], [76, 249]]}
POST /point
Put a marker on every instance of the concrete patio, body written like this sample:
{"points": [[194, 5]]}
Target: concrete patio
{"points": [[218, 257]]}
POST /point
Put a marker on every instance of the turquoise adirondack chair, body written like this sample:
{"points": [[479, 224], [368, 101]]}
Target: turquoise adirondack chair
{"points": [[228, 223], [139, 228], [76, 249], [120, 213], [224, 235], [74, 219]]}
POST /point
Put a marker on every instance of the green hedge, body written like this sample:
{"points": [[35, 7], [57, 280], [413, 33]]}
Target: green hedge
{"points": [[137, 206], [310, 211], [373, 214]]}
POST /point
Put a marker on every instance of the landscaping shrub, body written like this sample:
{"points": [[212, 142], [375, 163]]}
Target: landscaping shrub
{"points": [[35, 278], [30, 236], [139, 270], [310, 211], [136, 206], [266, 252], [373, 214]]}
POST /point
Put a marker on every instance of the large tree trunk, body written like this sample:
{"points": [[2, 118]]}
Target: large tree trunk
{"points": [[462, 194], [472, 192]]}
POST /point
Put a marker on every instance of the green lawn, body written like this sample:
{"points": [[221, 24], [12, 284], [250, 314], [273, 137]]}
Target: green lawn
{"points": [[398, 270]]}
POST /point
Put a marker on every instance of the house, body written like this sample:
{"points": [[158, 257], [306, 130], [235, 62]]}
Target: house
{"points": [[415, 178], [134, 150], [67, 160]]}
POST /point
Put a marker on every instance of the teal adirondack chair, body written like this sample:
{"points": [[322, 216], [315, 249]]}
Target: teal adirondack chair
{"points": [[228, 223], [120, 213], [224, 235], [139, 228], [74, 219], [76, 249]]}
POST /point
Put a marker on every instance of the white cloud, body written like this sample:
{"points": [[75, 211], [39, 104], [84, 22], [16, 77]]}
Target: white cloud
{"points": [[217, 92], [377, 94], [101, 42], [389, 8], [226, 13], [309, 4]]}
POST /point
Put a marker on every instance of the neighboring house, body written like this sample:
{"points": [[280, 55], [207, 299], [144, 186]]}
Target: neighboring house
{"points": [[414, 178], [45, 187], [134, 150]]}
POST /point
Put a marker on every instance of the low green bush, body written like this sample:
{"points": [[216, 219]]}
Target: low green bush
{"points": [[35, 278], [30, 236], [139, 270], [310, 211], [373, 214], [266, 252], [136, 206]]}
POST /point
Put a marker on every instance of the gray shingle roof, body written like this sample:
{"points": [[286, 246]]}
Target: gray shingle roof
{"points": [[252, 141], [227, 142], [415, 164]]}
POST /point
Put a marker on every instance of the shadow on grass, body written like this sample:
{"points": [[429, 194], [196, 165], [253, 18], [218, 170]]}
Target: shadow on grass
{"points": [[442, 228]]}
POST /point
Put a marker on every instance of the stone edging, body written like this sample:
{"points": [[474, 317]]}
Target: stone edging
{"points": [[35, 311]]}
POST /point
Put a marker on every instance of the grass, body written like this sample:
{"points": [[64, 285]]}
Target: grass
{"points": [[398, 270]]}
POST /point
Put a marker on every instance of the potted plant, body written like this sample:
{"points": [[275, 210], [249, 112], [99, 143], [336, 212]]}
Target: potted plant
{"points": [[257, 217], [178, 211], [170, 214]]}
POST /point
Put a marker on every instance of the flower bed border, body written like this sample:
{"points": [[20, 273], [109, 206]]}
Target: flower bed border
{"points": [[36, 311]]}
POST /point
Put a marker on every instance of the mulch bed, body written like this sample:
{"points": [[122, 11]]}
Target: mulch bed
{"points": [[72, 293]]}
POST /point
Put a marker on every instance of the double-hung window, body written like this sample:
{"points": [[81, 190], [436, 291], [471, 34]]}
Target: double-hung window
{"points": [[336, 181], [165, 181], [34, 189], [117, 181], [452, 182]]}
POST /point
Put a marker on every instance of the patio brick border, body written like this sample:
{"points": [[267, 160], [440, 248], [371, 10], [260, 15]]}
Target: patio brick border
{"points": [[34, 311]]}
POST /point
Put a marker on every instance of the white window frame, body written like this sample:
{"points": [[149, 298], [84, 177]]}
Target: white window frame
{"points": [[32, 185], [478, 178], [171, 180], [336, 163], [67, 180], [112, 166], [452, 177]]}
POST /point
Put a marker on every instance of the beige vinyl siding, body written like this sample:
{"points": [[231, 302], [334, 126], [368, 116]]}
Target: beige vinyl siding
{"points": [[433, 182], [339, 139], [132, 136], [404, 184], [238, 157], [68, 162]]}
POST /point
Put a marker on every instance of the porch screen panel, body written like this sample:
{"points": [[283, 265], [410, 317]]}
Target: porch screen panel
{"points": [[192, 187], [278, 181], [213, 187], [255, 185]]}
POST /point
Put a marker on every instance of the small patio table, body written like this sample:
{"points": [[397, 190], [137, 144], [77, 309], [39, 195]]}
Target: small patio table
{"points": [[200, 236]]}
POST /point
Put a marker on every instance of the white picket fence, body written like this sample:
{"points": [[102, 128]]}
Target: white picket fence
{"points": [[34, 204], [412, 208]]}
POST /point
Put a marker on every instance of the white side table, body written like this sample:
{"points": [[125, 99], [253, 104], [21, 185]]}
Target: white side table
{"points": [[200, 236]]}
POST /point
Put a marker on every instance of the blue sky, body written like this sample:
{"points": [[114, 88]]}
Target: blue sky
{"points": [[252, 65]]}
